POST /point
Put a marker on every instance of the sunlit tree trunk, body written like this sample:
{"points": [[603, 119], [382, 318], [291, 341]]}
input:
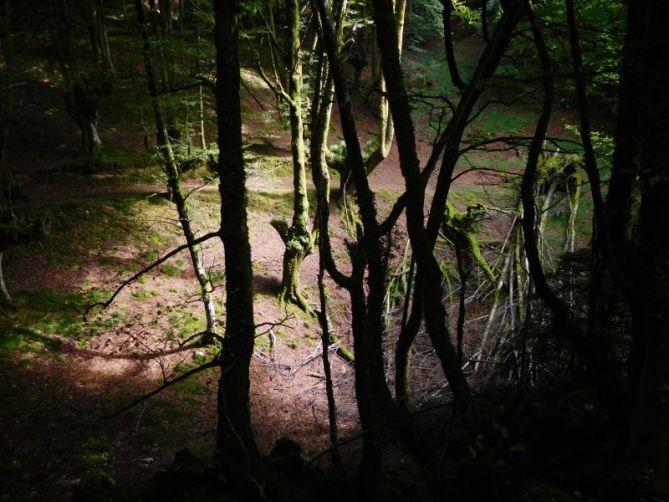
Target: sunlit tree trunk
{"points": [[297, 238], [386, 127]]}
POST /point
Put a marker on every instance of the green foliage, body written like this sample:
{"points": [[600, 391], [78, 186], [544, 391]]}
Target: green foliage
{"points": [[603, 145], [142, 294], [462, 227], [423, 20], [169, 270], [601, 29]]}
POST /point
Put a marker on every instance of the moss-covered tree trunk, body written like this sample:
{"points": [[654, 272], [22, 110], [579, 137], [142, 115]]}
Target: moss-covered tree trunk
{"points": [[297, 238], [236, 447], [172, 172]]}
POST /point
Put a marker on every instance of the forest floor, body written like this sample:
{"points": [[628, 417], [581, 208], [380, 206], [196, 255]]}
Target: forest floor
{"points": [[63, 377]]}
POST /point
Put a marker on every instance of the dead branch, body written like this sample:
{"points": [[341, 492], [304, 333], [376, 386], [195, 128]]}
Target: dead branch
{"points": [[147, 269]]}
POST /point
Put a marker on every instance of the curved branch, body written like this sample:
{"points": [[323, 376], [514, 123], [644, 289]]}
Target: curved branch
{"points": [[146, 269], [169, 383]]}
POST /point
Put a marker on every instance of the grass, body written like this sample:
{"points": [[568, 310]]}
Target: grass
{"points": [[278, 203], [272, 167]]}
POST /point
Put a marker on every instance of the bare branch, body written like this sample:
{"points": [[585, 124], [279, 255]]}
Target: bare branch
{"points": [[170, 383], [146, 269]]}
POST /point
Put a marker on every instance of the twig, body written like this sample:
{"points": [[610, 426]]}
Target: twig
{"points": [[194, 371]]}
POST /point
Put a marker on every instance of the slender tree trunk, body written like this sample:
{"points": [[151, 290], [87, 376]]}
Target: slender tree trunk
{"points": [[484, 21], [428, 267], [597, 360], [172, 172], [462, 311], [200, 94], [448, 45], [374, 400], [236, 447], [386, 127], [297, 238], [6, 108], [408, 332], [5, 298], [104, 38], [622, 184]]}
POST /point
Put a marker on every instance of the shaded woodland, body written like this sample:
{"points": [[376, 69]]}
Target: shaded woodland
{"points": [[310, 250]]}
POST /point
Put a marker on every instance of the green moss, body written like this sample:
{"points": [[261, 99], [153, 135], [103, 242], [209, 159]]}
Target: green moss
{"points": [[141, 294], [169, 270], [96, 451], [192, 386], [11, 342], [278, 203]]}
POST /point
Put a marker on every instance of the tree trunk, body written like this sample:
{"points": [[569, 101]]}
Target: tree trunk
{"points": [[172, 172], [386, 127], [448, 44], [297, 238], [428, 268], [648, 450], [5, 298], [236, 447], [600, 370], [375, 403]]}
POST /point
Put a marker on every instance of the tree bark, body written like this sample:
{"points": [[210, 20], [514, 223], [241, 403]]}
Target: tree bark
{"points": [[297, 238], [596, 357], [172, 172], [236, 447], [648, 449], [375, 403], [428, 268], [448, 45]]}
